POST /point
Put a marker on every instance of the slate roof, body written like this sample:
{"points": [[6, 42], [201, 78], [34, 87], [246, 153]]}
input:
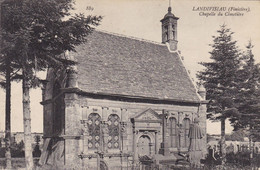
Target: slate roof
{"points": [[113, 64]]}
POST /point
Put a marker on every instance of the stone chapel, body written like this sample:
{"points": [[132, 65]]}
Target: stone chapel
{"points": [[125, 99]]}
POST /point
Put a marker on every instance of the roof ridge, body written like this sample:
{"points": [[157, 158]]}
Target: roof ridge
{"points": [[131, 37]]}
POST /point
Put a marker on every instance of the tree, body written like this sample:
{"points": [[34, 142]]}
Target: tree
{"points": [[249, 95], [237, 135], [220, 78], [6, 84], [8, 73], [42, 30]]}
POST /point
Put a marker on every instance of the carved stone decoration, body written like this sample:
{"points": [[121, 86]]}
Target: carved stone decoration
{"points": [[114, 111], [180, 136], [145, 132], [148, 114], [181, 117], [85, 127], [197, 115], [105, 129], [173, 114], [123, 127], [94, 109], [105, 135], [124, 114], [85, 133]]}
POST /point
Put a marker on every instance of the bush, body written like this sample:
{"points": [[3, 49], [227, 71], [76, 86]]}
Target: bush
{"points": [[36, 151], [2, 152], [240, 158], [243, 159], [17, 153], [17, 150], [256, 160]]}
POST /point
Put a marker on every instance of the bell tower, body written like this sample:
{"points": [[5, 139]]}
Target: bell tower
{"points": [[169, 30]]}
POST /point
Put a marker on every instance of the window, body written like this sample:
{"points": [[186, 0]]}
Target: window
{"points": [[94, 131], [166, 36], [173, 132], [166, 32], [173, 31], [113, 131], [186, 126]]}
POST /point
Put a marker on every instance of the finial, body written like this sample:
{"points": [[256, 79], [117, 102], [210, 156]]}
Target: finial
{"points": [[201, 87], [202, 90], [169, 8]]}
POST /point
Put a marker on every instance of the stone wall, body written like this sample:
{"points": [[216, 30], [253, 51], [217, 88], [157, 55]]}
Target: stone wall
{"points": [[127, 111]]}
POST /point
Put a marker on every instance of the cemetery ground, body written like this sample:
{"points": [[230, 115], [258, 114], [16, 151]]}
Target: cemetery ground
{"points": [[17, 163], [235, 161]]}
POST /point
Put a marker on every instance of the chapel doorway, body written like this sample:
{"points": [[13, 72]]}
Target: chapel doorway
{"points": [[103, 165], [143, 145]]}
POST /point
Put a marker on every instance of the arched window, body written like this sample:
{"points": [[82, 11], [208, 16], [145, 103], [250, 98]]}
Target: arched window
{"points": [[173, 32], [173, 132], [166, 32], [113, 131], [186, 127], [94, 131]]}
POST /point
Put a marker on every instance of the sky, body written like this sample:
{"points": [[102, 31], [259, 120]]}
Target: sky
{"points": [[141, 19]]}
